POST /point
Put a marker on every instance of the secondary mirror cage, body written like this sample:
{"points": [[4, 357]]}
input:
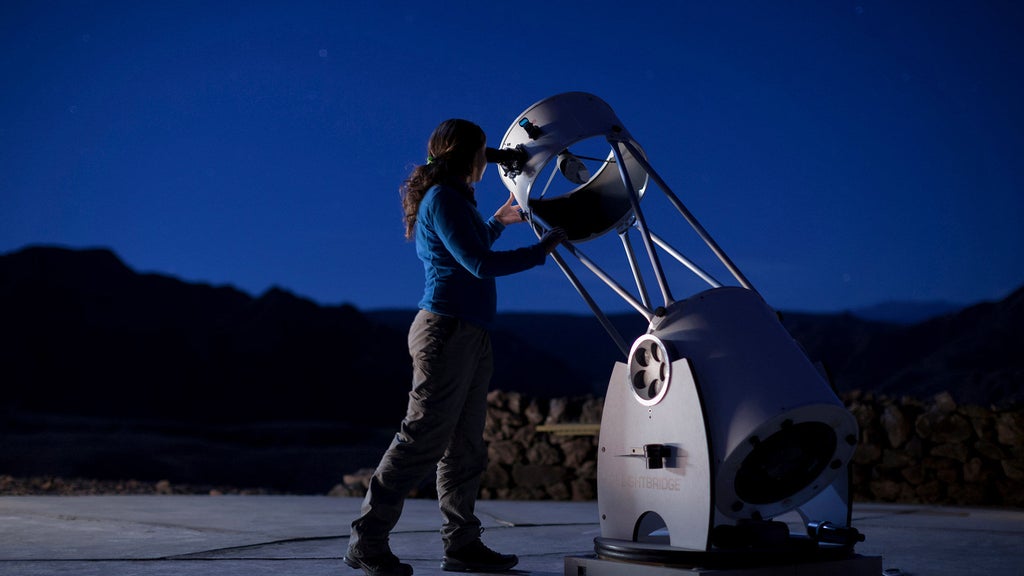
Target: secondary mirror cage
{"points": [[604, 176]]}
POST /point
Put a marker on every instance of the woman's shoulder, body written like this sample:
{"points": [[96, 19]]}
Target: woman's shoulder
{"points": [[437, 196], [434, 194], [435, 189], [444, 193], [445, 188]]}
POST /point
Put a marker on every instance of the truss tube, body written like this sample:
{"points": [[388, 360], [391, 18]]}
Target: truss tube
{"points": [[634, 200], [688, 216], [635, 267], [605, 322], [622, 292], [538, 225], [685, 261]]}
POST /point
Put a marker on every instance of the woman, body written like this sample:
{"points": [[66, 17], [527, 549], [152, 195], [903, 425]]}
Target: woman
{"points": [[451, 355]]}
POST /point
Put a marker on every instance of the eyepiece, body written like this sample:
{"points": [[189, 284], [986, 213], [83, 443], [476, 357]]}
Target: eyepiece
{"points": [[506, 155]]}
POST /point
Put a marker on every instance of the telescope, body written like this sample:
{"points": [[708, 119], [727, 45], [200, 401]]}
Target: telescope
{"points": [[715, 421]]}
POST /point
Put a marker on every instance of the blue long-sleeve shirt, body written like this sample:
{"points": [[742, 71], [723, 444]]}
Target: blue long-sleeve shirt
{"points": [[454, 243]]}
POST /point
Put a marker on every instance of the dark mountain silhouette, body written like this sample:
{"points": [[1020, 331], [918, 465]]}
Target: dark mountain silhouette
{"points": [[83, 334], [975, 354], [906, 313]]}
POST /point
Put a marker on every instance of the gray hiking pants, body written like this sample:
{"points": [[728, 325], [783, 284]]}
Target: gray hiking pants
{"points": [[443, 427]]}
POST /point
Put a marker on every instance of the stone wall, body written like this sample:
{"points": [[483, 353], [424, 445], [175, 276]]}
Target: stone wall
{"points": [[524, 464], [937, 452], [910, 451]]}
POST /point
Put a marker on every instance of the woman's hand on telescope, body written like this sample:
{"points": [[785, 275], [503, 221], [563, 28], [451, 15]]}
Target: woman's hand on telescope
{"points": [[552, 238], [509, 212]]}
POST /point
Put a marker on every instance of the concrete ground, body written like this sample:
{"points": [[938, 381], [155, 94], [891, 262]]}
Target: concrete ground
{"points": [[307, 535]]}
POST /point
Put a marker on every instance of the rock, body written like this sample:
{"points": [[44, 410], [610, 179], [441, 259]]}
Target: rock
{"points": [[1010, 428], [909, 402], [534, 414], [956, 451], [865, 415], [359, 478], [511, 424], [578, 450], [897, 459], [944, 403], [515, 403], [948, 476], [866, 453], [1010, 493], [885, 490], [591, 411], [929, 492], [583, 490], [974, 470], [556, 410], [587, 470], [495, 476], [895, 424], [525, 435], [915, 448], [558, 491], [1014, 469], [940, 427], [938, 463], [982, 420], [543, 453], [913, 474], [343, 491], [908, 493], [492, 427], [989, 450], [496, 399], [966, 495], [504, 452], [954, 429]]}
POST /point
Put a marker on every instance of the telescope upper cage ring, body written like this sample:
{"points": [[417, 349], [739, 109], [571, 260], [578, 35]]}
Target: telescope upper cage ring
{"points": [[547, 129], [650, 369]]}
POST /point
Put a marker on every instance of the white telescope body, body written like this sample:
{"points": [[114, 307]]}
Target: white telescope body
{"points": [[778, 432], [717, 421]]}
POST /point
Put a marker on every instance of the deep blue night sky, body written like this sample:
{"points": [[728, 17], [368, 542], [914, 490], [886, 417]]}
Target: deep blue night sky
{"points": [[843, 153]]}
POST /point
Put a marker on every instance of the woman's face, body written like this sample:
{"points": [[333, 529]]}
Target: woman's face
{"points": [[479, 165]]}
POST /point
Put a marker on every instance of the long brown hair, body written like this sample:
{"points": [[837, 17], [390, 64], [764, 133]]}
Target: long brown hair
{"points": [[450, 154]]}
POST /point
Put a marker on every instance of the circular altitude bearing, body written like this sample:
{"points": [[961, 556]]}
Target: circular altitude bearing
{"points": [[650, 369]]}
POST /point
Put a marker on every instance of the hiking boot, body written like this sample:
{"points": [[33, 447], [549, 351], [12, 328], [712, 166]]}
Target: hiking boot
{"points": [[475, 557], [386, 564]]}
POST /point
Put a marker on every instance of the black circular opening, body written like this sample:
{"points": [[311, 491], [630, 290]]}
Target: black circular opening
{"points": [[643, 357], [639, 381], [785, 462]]}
